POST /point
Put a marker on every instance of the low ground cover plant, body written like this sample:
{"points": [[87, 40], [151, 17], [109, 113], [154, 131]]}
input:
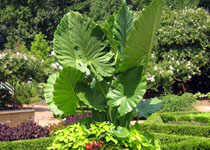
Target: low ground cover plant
{"points": [[28, 130], [102, 136]]}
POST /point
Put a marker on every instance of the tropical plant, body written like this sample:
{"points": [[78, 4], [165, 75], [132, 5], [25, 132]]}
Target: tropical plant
{"points": [[104, 66]]}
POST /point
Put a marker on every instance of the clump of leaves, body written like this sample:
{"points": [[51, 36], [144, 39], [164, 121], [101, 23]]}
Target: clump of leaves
{"points": [[28, 130], [172, 103], [77, 136], [39, 46], [104, 66]]}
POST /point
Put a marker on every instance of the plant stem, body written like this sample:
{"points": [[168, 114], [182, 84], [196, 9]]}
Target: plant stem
{"points": [[83, 113]]}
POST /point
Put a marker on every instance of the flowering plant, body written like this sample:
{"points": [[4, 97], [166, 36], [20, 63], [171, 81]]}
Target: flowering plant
{"points": [[94, 145]]}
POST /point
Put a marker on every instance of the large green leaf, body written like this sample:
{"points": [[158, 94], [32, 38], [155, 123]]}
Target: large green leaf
{"points": [[91, 97], [48, 94], [64, 95], [121, 132], [79, 43], [127, 90], [108, 30], [147, 107], [122, 25], [142, 35]]}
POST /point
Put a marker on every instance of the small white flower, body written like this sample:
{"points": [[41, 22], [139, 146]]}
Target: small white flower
{"points": [[171, 68], [177, 62], [171, 72], [152, 78], [57, 64], [17, 53], [60, 67], [54, 65], [155, 68], [52, 53], [42, 61], [172, 58], [25, 57]]}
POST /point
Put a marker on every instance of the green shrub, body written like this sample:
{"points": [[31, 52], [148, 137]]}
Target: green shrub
{"points": [[167, 117], [33, 144], [39, 47], [201, 117], [184, 118], [181, 50], [177, 142], [192, 130], [24, 67], [182, 4], [172, 103]]}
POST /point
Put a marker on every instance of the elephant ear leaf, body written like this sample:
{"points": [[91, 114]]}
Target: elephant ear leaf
{"points": [[91, 97], [80, 43], [141, 38], [123, 25], [64, 95], [49, 88], [147, 107], [127, 90]]}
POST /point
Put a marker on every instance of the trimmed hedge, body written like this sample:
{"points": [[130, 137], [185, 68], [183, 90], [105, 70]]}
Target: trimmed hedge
{"points": [[161, 118], [32, 144], [192, 130], [176, 142]]}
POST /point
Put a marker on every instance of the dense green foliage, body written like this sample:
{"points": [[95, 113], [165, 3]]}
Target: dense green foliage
{"points": [[76, 136], [23, 66], [182, 52], [33, 144], [192, 130], [177, 142], [39, 47], [22, 20], [23, 72], [173, 103]]}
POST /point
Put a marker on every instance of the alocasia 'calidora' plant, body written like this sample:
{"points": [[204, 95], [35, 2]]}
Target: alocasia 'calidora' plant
{"points": [[104, 66]]}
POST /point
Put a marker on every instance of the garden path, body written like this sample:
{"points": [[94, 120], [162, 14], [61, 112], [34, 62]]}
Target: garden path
{"points": [[44, 117], [203, 105]]}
